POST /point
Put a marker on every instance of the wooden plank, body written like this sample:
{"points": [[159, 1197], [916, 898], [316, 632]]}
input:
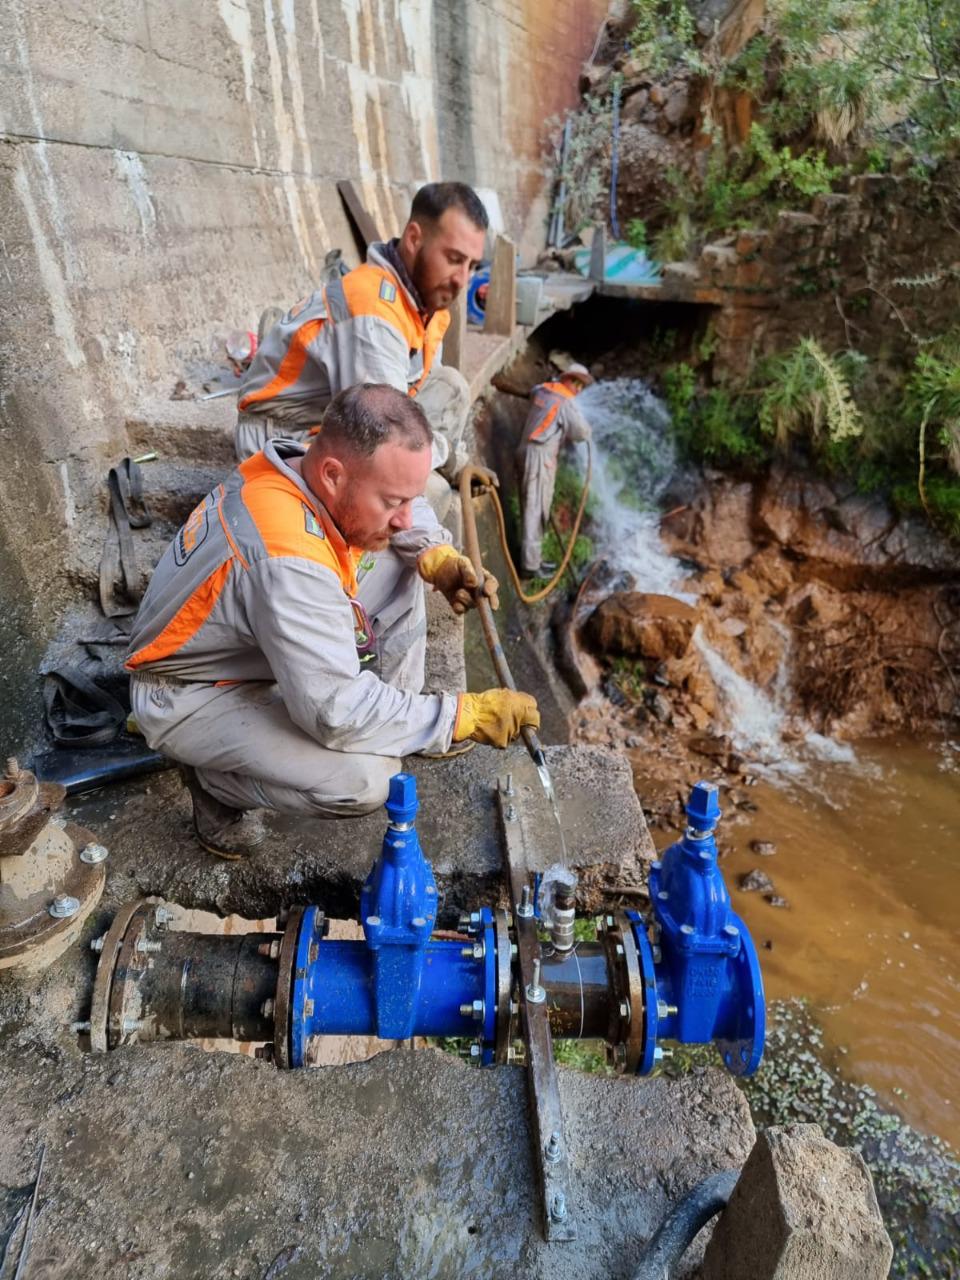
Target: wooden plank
{"points": [[453, 338], [598, 253], [501, 311], [362, 225]]}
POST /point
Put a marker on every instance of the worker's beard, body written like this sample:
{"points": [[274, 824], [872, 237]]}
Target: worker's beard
{"points": [[433, 296], [355, 530]]}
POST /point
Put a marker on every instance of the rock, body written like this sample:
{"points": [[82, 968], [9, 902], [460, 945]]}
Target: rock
{"points": [[658, 706], [637, 624], [712, 585], [766, 848], [755, 881], [704, 745], [771, 572], [680, 107], [803, 1209], [775, 900]]}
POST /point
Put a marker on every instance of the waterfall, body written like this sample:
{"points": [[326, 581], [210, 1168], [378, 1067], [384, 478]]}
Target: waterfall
{"points": [[634, 459]]}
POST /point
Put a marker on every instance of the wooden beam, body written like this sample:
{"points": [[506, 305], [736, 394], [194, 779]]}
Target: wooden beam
{"points": [[453, 338], [598, 253], [361, 224], [501, 310]]}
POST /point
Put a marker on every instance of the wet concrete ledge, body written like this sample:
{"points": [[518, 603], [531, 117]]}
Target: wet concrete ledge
{"points": [[171, 1162]]}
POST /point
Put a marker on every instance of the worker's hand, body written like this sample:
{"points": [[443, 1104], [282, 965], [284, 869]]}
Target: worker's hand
{"points": [[453, 574], [494, 717]]}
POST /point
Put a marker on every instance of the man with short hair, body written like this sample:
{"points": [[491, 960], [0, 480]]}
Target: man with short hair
{"points": [[383, 322], [553, 420], [273, 656]]}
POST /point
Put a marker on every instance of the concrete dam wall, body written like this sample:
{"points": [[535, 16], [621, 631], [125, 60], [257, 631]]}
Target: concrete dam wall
{"points": [[168, 169]]}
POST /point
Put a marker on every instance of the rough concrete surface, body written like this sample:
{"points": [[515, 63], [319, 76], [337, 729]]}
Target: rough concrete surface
{"points": [[803, 1209], [153, 851], [171, 1162]]}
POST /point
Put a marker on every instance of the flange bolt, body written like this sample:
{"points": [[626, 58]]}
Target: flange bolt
{"points": [[536, 993], [475, 1010], [12, 766], [553, 1150], [558, 1208], [525, 906], [148, 946], [91, 854], [96, 944], [63, 907]]}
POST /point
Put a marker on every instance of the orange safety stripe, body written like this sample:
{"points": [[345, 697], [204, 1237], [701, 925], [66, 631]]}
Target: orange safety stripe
{"points": [[362, 291], [282, 525], [291, 366], [559, 389], [186, 622]]}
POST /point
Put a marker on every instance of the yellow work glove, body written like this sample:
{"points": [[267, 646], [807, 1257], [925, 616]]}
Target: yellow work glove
{"points": [[494, 717], [452, 573]]}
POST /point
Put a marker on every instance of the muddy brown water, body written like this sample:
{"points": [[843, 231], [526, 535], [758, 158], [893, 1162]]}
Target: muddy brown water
{"points": [[868, 859]]}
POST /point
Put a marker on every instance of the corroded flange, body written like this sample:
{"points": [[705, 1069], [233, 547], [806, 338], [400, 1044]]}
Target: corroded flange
{"points": [[47, 889]]}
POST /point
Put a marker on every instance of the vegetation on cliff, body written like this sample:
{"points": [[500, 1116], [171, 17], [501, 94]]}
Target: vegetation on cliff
{"points": [[743, 111]]}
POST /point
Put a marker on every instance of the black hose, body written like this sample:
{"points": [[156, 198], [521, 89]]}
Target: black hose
{"points": [[675, 1233]]}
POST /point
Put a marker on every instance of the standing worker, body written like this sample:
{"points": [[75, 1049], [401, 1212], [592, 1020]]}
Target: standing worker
{"points": [[383, 322], [275, 658], [553, 420]]}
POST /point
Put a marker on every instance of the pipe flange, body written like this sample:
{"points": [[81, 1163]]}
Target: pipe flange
{"points": [[140, 937], [102, 983], [504, 987], [281, 1008], [625, 1031]]}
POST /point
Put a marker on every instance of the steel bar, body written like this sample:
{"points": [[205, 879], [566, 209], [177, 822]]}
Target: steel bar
{"points": [[543, 1091]]}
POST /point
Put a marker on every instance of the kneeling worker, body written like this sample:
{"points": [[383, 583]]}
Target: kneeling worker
{"points": [[553, 420], [279, 655]]}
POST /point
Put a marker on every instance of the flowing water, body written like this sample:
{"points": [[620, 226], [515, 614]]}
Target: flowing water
{"points": [[867, 854]]}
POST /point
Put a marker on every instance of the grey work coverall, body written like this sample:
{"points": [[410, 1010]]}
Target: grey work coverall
{"points": [[245, 650], [537, 459], [344, 349]]}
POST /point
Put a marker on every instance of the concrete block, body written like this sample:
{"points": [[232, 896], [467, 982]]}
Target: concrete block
{"points": [[803, 1209]]}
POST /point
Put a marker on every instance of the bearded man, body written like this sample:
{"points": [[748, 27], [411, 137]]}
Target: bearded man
{"points": [[383, 322]]}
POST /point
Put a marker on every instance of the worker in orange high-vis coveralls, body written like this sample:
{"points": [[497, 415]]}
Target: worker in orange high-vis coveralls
{"points": [[383, 322], [553, 420], [278, 651]]}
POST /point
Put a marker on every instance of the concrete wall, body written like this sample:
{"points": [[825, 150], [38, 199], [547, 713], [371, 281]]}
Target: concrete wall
{"points": [[166, 169]]}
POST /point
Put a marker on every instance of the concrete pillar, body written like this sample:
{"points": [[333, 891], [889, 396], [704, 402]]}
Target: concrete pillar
{"points": [[501, 311], [803, 1209]]}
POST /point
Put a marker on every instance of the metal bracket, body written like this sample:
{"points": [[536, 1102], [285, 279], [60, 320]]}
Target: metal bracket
{"points": [[546, 1114]]}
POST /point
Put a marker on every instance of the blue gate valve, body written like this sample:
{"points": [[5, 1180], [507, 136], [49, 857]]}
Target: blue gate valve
{"points": [[706, 981], [697, 963]]}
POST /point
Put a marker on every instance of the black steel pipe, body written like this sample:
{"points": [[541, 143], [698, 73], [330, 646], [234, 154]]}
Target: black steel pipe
{"points": [[210, 986], [577, 983]]}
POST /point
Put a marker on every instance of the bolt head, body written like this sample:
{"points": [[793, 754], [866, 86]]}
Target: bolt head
{"points": [[264, 1052], [731, 931], [474, 1051], [418, 922], [96, 944], [93, 853], [308, 1008], [63, 907], [163, 916], [478, 1009], [558, 1207], [687, 929], [663, 895], [267, 1008], [624, 1009], [479, 951]]}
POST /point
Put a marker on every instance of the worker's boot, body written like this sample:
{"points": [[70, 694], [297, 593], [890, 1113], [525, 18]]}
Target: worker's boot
{"points": [[222, 830]]}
